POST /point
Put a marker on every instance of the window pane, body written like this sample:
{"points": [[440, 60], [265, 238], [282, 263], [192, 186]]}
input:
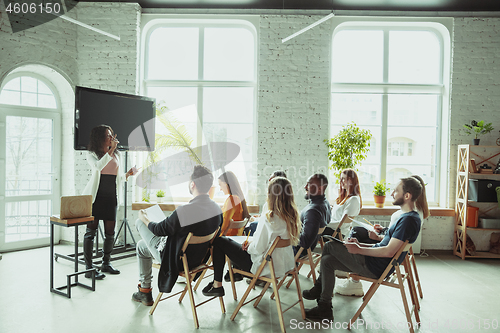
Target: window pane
{"points": [[229, 54], [228, 105], [358, 56], [173, 54], [28, 99], [418, 110], [414, 57], [47, 101], [14, 84], [29, 156], [27, 220], [363, 109], [43, 89], [10, 97], [29, 84]]}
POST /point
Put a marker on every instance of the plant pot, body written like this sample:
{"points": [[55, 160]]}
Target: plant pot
{"points": [[159, 199], [379, 200], [476, 142]]}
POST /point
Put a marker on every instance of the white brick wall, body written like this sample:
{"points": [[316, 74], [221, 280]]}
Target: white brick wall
{"points": [[293, 92], [293, 107]]}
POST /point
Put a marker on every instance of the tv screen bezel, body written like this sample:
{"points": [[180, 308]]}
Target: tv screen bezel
{"points": [[78, 89]]}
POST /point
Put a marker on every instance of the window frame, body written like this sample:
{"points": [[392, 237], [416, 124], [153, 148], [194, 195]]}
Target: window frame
{"points": [[150, 22], [442, 28]]}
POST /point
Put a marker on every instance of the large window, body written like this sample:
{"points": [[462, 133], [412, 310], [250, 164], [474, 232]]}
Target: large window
{"points": [[204, 72], [29, 160], [389, 77]]}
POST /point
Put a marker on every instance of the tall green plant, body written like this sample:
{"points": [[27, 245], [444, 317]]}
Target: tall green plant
{"points": [[348, 148]]}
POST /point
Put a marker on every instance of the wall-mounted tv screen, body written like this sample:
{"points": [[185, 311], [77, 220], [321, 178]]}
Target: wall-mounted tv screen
{"points": [[131, 117]]}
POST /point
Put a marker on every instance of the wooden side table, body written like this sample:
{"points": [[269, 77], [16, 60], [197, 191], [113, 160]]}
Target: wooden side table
{"points": [[55, 220]]}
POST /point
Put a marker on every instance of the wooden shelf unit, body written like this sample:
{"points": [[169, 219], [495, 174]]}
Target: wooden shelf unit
{"points": [[481, 154]]}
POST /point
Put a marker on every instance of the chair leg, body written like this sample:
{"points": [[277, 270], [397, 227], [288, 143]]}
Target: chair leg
{"points": [[231, 276], [417, 278], [411, 284], [366, 299], [155, 304], [299, 293], [190, 292], [277, 297], [202, 276], [243, 298], [257, 301], [405, 302]]}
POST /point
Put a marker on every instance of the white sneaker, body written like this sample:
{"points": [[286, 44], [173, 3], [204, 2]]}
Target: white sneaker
{"points": [[341, 274], [349, 288]]}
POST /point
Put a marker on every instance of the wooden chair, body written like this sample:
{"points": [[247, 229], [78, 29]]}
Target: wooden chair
{"points": [[394, 280], [337, 231], [278, 243], [310, 258], [189, 274], [232, 225]]}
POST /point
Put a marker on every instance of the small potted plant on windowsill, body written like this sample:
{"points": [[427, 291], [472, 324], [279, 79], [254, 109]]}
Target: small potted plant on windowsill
{"points": [[160, 194], [477, 128], [379, 191]]}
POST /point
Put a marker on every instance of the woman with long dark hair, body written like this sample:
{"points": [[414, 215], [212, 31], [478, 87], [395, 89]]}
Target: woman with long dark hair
{"points": [[235, 208], [104, 185]]}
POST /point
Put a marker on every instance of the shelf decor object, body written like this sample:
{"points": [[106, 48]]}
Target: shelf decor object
{"points": [[476, 194]]}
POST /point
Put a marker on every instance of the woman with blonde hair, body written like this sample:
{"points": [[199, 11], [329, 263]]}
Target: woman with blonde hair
{"points": [[281, 219], [348, 202]]}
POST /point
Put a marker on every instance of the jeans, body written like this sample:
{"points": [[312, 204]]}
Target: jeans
{"points": [[147, 250], [336, 257]]}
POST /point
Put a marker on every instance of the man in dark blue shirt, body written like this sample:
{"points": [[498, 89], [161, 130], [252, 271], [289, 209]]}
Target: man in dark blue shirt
{"points": [[316, 214], [366, 259]]}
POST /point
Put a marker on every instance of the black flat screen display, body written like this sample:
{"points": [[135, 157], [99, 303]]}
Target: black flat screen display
{"points": [[131, 117]]}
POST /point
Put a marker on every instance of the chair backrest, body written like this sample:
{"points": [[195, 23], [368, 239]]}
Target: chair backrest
{"points": [[394, 261], [191, 239], [238, 224]]}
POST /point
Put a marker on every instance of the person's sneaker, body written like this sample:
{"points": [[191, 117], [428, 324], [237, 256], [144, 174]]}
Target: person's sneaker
{"points": [[341, 274], [313, 293], [322, 311], [350, 288], [181, 280], [236, 276], [144, 295], [218, 292]]}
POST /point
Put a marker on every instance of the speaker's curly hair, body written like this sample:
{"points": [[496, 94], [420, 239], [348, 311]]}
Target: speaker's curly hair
{"points": [[97, 137]]}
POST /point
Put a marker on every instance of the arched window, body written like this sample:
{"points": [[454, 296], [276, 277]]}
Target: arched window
{"points": [[30, 154], [392, 78]]}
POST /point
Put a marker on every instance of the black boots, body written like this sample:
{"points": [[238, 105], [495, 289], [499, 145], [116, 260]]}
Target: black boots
{"points": [[313, 293], [322, 311], [88, 245], [107, 248], [144, 295]]}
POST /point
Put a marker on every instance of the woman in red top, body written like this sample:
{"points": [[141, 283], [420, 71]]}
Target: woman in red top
{"points": [[235, 207]]}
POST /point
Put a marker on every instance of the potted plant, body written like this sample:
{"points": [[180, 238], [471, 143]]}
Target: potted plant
{"points": [[159, 195], [348, 148], [477, 128], [379, 191]]}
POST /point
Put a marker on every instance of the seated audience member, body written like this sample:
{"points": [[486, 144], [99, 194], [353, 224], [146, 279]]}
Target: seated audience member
{"points": [[348, 202], [281, 219], [163, 240], [253, 224], [316, 214], [235, 207], [365, 259], [352, 287]]}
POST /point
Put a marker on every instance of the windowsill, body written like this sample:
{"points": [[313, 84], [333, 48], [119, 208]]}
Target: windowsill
{"points": [[171, 206], [435, 211]]}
